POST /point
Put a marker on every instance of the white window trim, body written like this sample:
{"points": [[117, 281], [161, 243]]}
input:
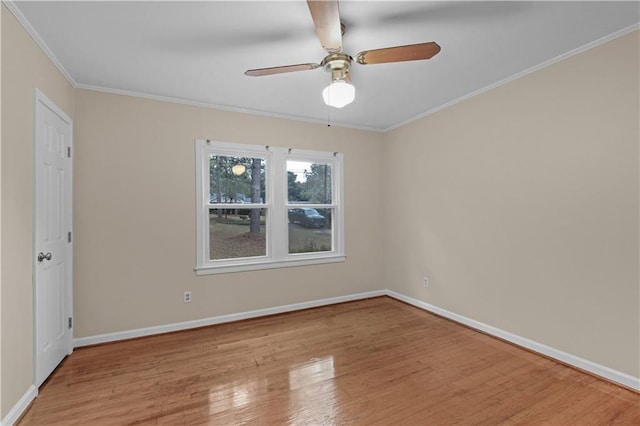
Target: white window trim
{"points": [[276, 204]]}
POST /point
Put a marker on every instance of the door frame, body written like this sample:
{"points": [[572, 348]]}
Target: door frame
{"points": [[41, 99]]}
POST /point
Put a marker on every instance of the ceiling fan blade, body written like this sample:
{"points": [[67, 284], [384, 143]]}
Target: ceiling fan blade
{"points": [[412, 52], [280, 70], [326, 18]]}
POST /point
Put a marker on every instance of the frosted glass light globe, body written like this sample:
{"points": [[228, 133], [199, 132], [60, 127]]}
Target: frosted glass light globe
{"points": [[339, 93]]}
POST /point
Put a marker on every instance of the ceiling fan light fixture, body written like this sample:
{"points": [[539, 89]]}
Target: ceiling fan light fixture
{"points": [[238, 169], [339, 93]]}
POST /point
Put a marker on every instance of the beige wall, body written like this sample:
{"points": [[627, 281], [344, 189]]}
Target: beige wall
{"points": [[24, 67], [134, 214], [521, 205]]}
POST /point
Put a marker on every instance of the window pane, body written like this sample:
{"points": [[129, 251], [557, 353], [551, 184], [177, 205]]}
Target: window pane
{"points": [[310, 230], [309, 182], [236, 179], [237, 233]]}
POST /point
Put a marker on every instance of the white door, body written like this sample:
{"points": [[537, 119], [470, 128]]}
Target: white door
{"points": [[52, 237]]}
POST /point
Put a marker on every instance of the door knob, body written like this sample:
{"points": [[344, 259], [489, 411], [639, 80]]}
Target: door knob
{"points": [[42, 256]]}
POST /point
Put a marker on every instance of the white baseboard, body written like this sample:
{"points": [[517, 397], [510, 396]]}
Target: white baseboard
{"points": [[573, 360], [23, 403], [140, 332]]}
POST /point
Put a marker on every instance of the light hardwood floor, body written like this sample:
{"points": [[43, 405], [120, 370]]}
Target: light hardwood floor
{"points": [[369, 362]]}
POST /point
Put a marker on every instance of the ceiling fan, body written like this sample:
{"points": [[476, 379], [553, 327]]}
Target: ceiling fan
{"points": [[329, 28]]}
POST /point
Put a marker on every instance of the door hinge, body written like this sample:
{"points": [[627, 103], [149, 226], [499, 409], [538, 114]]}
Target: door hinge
{"points": [[70, 323], [68, 152], [69, 236]]}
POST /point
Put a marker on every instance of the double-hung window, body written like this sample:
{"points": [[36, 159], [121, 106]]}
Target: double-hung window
{"points": [[262, 207]]}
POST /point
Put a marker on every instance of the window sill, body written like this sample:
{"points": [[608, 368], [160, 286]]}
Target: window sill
{"points": [[268, 264]]}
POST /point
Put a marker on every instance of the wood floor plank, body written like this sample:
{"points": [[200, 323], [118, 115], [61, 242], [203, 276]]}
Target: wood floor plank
{"points": [[370, 362]]}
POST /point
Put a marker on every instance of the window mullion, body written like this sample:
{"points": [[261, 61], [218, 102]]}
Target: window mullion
{"points": [[278, 216]]}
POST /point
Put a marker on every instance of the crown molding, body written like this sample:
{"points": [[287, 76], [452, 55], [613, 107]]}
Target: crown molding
{"points": [[39, 41], [221, 107], [562, 57]]}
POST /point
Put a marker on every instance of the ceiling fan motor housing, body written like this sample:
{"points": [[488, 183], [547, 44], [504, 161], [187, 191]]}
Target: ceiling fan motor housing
{"points": [[338, 64]]}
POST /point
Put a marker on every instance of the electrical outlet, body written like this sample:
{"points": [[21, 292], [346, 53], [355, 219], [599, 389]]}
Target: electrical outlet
{"points": [[187, 297], [425, 282]]}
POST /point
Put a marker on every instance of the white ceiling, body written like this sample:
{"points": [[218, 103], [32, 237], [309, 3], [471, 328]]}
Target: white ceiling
{"points": [[198, 51]]}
